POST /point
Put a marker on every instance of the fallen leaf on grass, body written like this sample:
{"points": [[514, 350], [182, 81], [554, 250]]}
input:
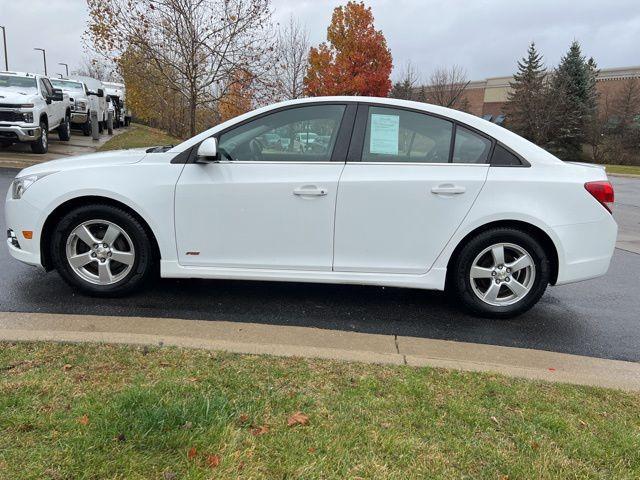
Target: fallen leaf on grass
{"points": [[186, 426], [213, 460], [164, 364], [257, 431], [298, 418], [84, 419], [311, 450], [191, 454], [194, 379], [121, 437], [67, 367], [169, 476], [495, 420], [243, 418], [535, 445], [583, 423]]}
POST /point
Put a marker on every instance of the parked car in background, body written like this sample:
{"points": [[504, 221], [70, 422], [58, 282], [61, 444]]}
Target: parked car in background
{"points": [[81, 103], [117, 94], [97, 99], [30, 108], [403, 194]]}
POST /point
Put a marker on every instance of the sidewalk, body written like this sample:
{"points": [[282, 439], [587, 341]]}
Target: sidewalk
{"points": [[328, 344], [19, 155]]}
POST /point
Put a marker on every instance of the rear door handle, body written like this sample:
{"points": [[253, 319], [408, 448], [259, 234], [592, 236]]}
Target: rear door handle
{"points": [[448, 189], [310, 191]]}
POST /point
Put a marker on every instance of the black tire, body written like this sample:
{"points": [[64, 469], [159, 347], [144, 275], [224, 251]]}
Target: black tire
{"points": [[5, 143], [64, 129], [100, 127], [460, 284], [86, 126], [143, 264], [41, 145]]}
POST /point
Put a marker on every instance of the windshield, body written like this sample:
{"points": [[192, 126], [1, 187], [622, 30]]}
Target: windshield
{"points": [[68, 85], [19, 84]]}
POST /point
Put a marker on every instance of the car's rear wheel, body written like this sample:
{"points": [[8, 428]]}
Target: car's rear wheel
{"points": [[102, 250], [500, 273]]}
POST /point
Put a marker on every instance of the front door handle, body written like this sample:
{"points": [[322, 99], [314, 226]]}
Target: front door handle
{"points": [[310, 191], [448, 189]]}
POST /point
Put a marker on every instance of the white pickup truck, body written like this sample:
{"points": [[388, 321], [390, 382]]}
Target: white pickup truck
{"points": [[30, 108], [116, 93], [82, 103]]}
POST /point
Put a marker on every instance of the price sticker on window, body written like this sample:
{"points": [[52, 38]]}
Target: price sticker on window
{"points": [[385, 134]]}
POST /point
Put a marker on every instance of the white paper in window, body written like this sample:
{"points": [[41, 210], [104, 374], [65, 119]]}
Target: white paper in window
{"points": [[385, 134]]}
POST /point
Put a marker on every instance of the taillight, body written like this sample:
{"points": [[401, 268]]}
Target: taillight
{"points": [[602, 192]]}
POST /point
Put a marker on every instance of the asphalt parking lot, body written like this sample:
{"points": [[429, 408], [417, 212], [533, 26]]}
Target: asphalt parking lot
{"points": [[596, 318]]}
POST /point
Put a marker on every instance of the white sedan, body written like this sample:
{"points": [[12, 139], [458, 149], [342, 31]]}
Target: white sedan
{"points": [[401, 194]]}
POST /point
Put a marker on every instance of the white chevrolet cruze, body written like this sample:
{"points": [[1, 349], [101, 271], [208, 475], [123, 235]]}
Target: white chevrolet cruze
{"points": [[337, 190]]}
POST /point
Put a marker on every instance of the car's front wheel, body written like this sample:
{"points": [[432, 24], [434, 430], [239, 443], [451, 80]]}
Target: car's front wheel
{"points": [[500, 273], [64, 129], [102, 250], [41, 145]]}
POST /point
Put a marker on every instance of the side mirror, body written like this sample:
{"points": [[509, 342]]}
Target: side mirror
{"points": [[100, 93], [57, 95], [91, 93], [208, 151]]}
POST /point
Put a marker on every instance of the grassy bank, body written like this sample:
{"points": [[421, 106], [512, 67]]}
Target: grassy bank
{"points": [[87, 411], [138, 136], [628, 169]]}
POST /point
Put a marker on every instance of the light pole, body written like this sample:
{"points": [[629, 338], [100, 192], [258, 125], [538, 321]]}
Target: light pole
{"points": [[44, 56], [65, 66], [4, 42]]}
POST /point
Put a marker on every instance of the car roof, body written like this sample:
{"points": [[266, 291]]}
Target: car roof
{"points": [[527, 149]]}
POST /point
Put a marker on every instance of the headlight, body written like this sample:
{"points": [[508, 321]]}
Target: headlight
{"points": [[81, 105], [27, 117], [20, 185]]}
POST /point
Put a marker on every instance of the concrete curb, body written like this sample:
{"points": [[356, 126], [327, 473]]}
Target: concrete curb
{"points": [[309, 342]]}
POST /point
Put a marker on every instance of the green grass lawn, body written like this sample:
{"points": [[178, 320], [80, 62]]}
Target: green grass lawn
{"points": [[139, 136], [629, 169], [99, 411]]}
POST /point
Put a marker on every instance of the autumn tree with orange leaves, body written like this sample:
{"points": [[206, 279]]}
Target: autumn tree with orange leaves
{"points": [[356, 59]]}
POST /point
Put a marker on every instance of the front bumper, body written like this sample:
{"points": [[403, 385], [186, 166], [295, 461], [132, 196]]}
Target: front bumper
{"points": [[20, 215], [19, 133], [79, 117]]}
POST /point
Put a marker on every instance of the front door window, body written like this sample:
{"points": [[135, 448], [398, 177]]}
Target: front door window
{"points": [[303, 134]]}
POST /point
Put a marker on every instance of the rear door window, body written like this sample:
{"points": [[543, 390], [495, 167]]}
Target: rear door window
{"points": [[470, 147], [396, 135]]}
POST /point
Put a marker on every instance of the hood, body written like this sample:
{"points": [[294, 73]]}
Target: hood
{"points": [[16, 96], [102, 159]]}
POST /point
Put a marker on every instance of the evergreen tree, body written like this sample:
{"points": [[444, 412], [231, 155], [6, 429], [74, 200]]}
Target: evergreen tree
{"points": [[574, 93], [527, 106]]}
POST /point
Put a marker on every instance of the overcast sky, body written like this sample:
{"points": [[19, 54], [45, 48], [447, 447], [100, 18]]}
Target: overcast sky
{"points": [[486, 37]]}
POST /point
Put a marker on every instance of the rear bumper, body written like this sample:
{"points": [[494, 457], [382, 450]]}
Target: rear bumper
{"points": [[19, 133], [587, 249]]}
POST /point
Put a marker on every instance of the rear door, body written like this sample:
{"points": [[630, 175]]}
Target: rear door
{"points": [[409, 181]]}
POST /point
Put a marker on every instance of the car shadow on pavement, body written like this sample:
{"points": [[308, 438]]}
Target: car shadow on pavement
{"points": [[595, 318]]}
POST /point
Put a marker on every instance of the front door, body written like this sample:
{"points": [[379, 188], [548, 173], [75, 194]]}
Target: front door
{"points": [[270, 200], [406, 191]]}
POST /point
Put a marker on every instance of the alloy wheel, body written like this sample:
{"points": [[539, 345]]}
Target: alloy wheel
{"points": [[100, 252], [502, 274]]}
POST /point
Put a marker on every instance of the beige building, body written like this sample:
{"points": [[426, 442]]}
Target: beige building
{"points": [[487, 97]]}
